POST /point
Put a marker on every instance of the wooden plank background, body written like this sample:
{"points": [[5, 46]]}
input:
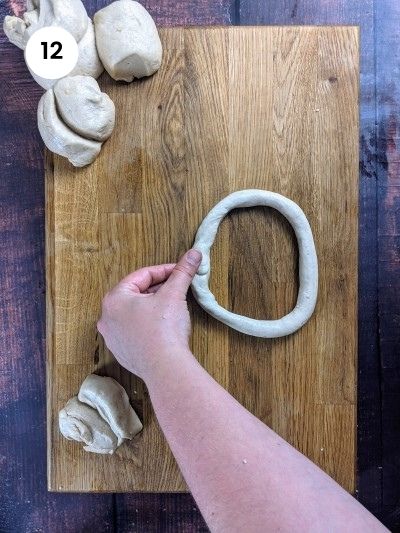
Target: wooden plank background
{"points": [[25, 503], [269, 108]]}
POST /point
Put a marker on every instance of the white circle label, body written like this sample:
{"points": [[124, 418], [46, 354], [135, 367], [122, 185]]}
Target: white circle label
{"points": [[51, 52]]}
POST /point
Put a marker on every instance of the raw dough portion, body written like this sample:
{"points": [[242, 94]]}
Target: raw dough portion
{"points": [[80, 422], [84, 108], [69, 14], [15, 28], [308, 265], [43, 82], [112, 403], [127, 40], [59, 138], [88, 64]]}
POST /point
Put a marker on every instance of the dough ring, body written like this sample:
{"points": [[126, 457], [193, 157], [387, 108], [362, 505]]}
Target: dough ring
{"points": [[308, 265]]}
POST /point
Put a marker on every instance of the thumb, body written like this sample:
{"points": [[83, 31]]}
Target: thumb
{"points": [[182, 275]]}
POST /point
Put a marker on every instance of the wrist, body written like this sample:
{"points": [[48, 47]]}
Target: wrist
{"points": [[165, 362]]}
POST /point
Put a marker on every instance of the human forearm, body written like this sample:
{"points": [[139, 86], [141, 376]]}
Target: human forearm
{"points": [[242, 475], [195, 414]]}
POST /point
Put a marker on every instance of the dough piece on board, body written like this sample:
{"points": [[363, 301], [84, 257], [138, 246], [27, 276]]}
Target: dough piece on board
{"points": [[88, 64], [57, 13], [112, 402], [84, 108], [127, 40], [308, 265], [68, 14], [77, 421], [59, 138]]}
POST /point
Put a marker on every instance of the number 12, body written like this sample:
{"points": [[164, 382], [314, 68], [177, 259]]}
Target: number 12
{"points": [[54, 55]]}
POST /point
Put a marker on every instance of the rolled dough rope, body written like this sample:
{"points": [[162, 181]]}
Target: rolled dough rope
{"points": [[308, 265]]}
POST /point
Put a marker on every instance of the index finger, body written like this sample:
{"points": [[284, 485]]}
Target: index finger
{"points": [[140, 280]]}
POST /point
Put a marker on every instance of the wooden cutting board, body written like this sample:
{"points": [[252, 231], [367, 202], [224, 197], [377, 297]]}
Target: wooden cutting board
{"points": [[231, 108]]}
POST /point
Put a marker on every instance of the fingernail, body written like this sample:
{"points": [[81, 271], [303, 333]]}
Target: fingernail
{"points": [[193, 257]]}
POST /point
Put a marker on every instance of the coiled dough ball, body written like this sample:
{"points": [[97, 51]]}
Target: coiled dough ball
{"points": [[74, 118]]}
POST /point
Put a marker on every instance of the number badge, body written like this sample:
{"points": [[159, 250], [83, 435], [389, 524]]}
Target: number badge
{"points": [[51, 53]]}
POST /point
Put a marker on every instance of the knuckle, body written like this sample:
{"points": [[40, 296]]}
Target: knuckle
{"points": [[104, 305], [107, 301]]}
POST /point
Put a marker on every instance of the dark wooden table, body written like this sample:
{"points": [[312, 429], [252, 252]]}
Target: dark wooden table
{"points": [[25, 504]]}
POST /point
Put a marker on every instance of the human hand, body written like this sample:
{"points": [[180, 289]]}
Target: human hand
{"points": [[146, 314]]}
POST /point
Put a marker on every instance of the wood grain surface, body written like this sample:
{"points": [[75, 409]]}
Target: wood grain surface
{"points": [[272, 108], [364, 14], [25, 504]]}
